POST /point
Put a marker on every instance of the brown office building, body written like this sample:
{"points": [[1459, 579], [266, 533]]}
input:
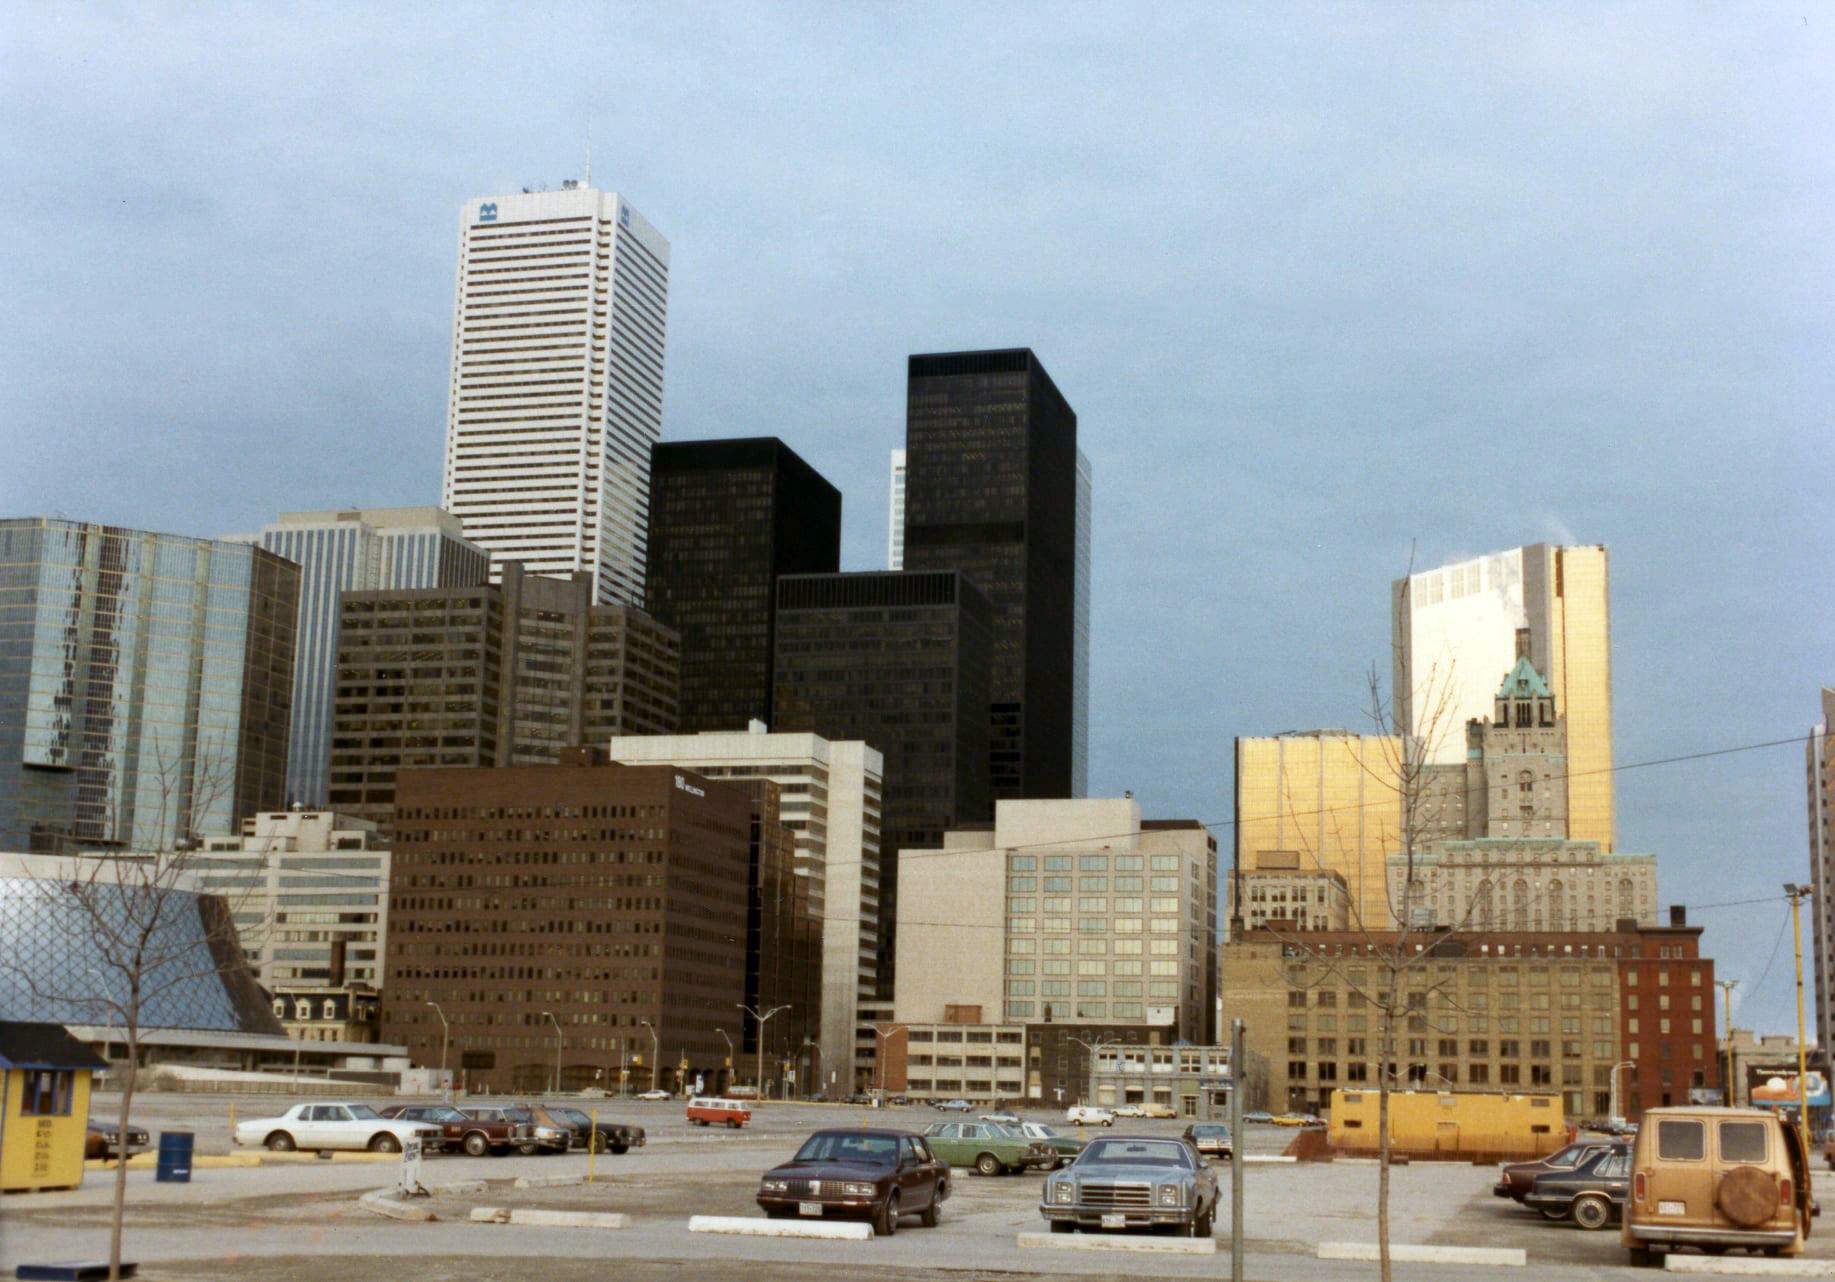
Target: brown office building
{"points": [[600, 895], [490, 675]]}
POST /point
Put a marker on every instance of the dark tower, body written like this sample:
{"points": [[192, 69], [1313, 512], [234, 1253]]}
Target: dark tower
{"points": [[991, 491], [726, 519]]}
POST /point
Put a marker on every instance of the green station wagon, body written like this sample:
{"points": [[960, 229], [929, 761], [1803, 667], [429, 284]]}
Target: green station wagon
{"points": [[989, 1147]]}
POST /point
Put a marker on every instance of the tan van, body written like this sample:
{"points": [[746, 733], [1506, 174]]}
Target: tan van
{"points": [[1715, 1178]]}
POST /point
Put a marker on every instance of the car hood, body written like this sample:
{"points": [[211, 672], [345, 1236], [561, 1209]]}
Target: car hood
{"points": [[827, 1171], [1110, 1171]]}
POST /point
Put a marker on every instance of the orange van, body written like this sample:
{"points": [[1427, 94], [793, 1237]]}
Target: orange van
{"points": [[708, 1110], [1714, 1178]]}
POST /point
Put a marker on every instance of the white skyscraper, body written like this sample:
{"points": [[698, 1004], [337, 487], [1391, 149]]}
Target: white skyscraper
{"points": [[557, 383], [895, 514]]}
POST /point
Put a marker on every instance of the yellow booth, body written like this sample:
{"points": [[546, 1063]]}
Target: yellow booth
{"points": [[44, 1106]]}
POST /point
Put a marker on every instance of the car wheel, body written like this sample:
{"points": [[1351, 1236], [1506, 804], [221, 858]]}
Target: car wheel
{"points": [[385, 1143], [1056, 1162], [596, 1142], [280, 1142], [476, 1144], [1201, 1224], [528, 1150], [885, 1221], [1063, 1226], [732, 1125], [987, 1164], [1547, 1214], [1592, 1211], [934, 1211], [621, 1148]]}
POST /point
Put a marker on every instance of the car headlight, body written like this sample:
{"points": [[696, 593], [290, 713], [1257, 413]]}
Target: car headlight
{"points": [[1064, 1192], [1171, 1195], [852, 1189], [776, 1186]]}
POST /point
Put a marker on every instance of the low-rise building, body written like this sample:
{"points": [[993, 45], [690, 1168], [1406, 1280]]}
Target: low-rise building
{"points": [[1284, 895], [329, 1013]]}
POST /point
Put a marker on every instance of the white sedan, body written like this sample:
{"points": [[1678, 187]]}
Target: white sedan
{"points": [[328, 1126]]}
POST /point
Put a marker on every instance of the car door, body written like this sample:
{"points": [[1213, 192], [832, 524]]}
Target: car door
{"points": [[945, 1141], [340, 1128], [916, 1183]]}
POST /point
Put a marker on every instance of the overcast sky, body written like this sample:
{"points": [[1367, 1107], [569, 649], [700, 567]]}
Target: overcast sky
{"points": [[1323, 284]]}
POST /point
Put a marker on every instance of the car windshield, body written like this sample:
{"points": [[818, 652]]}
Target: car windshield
{"points": [[1001, 1131], [1038, 1130], [570, 1114], [1136, 1153], [518, 1115], [1568, 1156], [442, 1113], [849, 1146], [1211, 1131]]}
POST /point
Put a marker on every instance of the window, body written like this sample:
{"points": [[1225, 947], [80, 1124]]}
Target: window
{"points": [[1742, 1141], [1681, 1140], [47, 1092]]}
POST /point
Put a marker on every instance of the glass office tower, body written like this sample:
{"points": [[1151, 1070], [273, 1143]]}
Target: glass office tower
{"points": [[145, 684]]}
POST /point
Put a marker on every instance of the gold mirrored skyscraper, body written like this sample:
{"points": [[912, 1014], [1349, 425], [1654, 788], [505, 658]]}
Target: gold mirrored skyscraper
{"points": [[1456, 635]]}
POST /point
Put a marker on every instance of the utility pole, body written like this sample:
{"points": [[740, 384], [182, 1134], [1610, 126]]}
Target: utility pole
{"points": [[656, 1050], [445, 1033], [1726, 987], [762, 1020], [1236, 1163], [1797, 895], [549, 1016], [729, 1055]]}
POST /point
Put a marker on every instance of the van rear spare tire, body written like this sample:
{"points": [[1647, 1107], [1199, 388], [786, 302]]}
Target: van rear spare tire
{"points": [[1747, 1195]]}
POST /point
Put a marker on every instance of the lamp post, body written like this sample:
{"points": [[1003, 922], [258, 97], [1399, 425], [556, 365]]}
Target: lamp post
{"points": [[885, 1045], [1797, 895], [815, 1060], [1095, 1051], [656, 1050], [445, 1034], [1623, 1063], [762, 1021], [549, 1016], [1726, 987], [729, 1054]]}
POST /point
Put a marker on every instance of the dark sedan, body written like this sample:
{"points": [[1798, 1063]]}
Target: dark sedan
{"points": [[1515, 1179], [1591, 1195], [1210, 1138], [100, 1141], [619, 1137], [859, 1174]]}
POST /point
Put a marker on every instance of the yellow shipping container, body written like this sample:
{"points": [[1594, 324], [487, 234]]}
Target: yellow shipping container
{"points": [[1461, 1124]]}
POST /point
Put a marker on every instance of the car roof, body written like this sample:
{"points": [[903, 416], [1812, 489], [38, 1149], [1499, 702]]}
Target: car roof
{"points": [[862, 1130], [1707, 1110]]}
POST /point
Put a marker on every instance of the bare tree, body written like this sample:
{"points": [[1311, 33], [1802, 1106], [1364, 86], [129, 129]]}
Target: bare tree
{"points": [[150, 936]]}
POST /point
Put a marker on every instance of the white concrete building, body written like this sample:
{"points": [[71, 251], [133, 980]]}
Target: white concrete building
{"points": [[356, 550], [557, 382], [308, 891], [1524, 883], [830, 799], [895, 513], [1102, 918]]}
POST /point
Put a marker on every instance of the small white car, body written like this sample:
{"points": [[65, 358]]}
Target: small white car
{"points": [[334, 1126], [1089, 1115], [653, 1095], [1130, 1110]]}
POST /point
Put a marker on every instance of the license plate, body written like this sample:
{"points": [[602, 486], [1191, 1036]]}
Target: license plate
{"points": [[1672, 1208], [1114, 1221], [809, 1208]]}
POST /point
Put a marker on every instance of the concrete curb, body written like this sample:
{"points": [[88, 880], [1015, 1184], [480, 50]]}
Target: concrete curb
{"points": [[1514, 1257], [548, 1181], [459, 1189], [1268, 1159], [1751, 1266], [570, 1219], [379, 1201], [747, 1226], [1120, 1242], [490, 1215]]}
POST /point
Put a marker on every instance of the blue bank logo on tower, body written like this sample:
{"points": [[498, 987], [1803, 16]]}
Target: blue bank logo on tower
{"points": [[487, 212]]}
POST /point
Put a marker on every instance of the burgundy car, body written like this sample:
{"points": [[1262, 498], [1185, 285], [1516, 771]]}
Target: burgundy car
{"points": [[1515, 1179], [474, 1134], [860, 1174]]}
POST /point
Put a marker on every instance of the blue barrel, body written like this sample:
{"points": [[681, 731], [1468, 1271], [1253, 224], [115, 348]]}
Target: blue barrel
{"points": [[174, 1158]]}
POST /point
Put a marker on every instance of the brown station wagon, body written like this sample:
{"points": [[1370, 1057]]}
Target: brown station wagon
{"points": [[1715, 1178], [476, 1134]]}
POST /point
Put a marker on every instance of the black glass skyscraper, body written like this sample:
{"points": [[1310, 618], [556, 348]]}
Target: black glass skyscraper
{"points": [[726, 519], [991, 490]]}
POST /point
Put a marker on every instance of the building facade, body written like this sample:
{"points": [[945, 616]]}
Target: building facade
{"points": [[1505, 1010], [146, 682], [1456, 633], [726, 519], [358, 550], [597, 912], [830, 800], [511, 674], [895, 512], [991, 490], [1322, 801], [1291, 898], [558, 331], [901, 661], [1524, 884], [308, 891], [1819, 766]]}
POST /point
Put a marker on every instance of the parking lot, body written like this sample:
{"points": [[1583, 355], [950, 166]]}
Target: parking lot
{"points": [[300, 1219]]}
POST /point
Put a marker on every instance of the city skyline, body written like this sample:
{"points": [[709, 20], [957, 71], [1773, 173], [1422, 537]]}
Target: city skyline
{"points": [[1333, 305]]}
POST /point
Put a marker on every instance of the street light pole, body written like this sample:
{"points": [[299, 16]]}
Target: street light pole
{"points": [[1095, 1050], [656, 1050], [1726, 987], [549, 1016], [762, 1020], [445, 1034], [815, 1059], [1797, 894], [729, 1055], [1623, 1063]]}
